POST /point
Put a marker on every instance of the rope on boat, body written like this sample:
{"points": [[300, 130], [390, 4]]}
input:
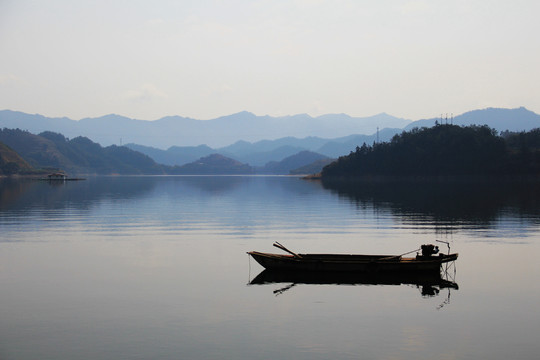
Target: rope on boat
{"points": [[447, 244], [398, 256], [249, 268]]}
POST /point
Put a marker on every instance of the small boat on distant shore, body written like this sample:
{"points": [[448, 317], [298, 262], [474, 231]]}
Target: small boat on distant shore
{"points": [[425, 260]]}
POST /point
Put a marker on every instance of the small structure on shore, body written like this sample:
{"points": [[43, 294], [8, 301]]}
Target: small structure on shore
{"points": [[57, 176]]}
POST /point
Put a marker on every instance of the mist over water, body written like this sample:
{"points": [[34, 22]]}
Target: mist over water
{"points": [[156, 267]]}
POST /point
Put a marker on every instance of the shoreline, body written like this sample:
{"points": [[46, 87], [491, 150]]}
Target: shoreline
{"points": [[387, 179]]}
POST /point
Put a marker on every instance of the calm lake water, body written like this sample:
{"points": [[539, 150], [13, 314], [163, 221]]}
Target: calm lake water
{"points": [[156, 268]]}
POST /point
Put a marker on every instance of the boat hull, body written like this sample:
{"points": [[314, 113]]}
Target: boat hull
{"points": [[350, 263]]}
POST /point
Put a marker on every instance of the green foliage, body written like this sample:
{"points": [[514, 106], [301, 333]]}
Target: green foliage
{"points": [[79, 155], [442, 150], [523, 140], [524, 152], [10, 162], [34, 149]]}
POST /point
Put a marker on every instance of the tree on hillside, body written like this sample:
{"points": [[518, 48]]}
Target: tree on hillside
{"points": [[78, 155], [443, 150], [524, 151]]}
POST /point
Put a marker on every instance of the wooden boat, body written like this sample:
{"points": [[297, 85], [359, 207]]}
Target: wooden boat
{"points": [[425, 261]]}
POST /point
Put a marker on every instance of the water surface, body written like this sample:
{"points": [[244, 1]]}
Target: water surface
{"points": [[156, 267]]}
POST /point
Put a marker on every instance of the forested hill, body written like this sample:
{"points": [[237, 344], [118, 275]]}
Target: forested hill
{"points": [[82, 156], [11, 162], [443, 150], [77, 156]]}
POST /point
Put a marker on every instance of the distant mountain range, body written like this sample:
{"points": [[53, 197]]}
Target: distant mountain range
{"points": [[179, 131], [260, 153], [22, 152], [515, 120], [267, 144], [244, 126]]}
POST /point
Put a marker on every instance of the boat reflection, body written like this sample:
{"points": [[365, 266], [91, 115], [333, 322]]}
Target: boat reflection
{"points": [[429, 283]]}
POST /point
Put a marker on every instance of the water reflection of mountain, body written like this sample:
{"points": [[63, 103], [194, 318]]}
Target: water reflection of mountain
{"points": [[429, 283], [245, 187], [210, 184], [27, 194], [481, 203], [17, 194]]}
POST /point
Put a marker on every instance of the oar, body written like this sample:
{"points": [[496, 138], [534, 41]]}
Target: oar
{"points": [[279, 246]]}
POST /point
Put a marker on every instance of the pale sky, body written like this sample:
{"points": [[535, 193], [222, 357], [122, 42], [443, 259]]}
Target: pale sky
{"points": [[204, 59]]}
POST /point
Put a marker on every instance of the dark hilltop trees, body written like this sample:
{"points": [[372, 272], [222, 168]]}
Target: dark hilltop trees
{"points": [[442, 151]]}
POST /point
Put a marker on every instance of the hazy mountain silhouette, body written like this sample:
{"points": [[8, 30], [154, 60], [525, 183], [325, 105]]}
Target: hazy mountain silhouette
{"points": [[294, 162], [262, 152], [175, 155], [213, 164], [227, 130], [519, 119], [180, 131], [244, 137]]}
